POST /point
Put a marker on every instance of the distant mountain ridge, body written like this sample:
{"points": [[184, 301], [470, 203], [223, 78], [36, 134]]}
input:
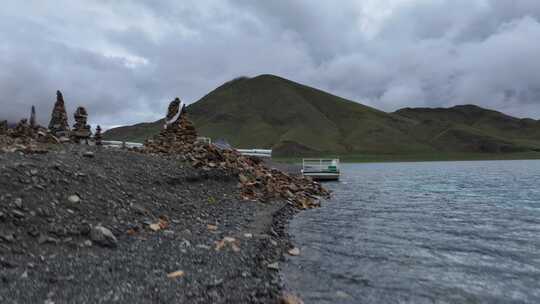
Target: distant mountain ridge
{"points": [[293, 119]]}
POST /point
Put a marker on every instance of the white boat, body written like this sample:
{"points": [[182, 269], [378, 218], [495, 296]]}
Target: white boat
{"points": [[321, 169]]}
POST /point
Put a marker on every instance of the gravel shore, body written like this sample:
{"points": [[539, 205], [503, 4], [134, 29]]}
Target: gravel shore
{"points": [[92, 225]]}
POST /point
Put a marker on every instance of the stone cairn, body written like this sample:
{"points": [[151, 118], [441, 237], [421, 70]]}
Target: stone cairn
{"points": [[33, 123], [256, 181], [98, 137], [178, 129], [23, 130], [59, 126], [81, 130], [3, 127]]}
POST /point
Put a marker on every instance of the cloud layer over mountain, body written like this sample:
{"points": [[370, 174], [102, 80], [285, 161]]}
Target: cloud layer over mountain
{"points": [[124, 60]]}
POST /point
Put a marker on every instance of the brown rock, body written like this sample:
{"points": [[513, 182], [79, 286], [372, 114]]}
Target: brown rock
{"points": [[290, 299]]}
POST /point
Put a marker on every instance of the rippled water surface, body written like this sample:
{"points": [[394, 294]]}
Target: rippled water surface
{"points": [[434, 232]]}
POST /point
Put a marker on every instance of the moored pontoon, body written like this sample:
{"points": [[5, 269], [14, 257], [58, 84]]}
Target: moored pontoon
{"points": [[321, 169]]}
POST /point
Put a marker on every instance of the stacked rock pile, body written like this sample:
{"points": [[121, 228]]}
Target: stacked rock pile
{"points": [[59, 120], [26, 137], [3, 127], [256, 181], [178, 129], [81, 129]]}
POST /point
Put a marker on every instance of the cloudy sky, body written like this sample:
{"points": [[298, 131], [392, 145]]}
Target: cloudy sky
{"points": [[124, 60]]}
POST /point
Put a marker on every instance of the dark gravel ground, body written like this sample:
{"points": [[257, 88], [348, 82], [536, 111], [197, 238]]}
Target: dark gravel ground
{"points": [[51, 204]]}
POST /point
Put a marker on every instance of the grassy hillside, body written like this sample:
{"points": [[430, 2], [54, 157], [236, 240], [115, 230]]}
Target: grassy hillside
{"points": [[271, 112], [469, 128]]}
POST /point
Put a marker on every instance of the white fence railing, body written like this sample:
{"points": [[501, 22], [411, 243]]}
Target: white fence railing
{"points": [[256, 152], [320, 165], [120, 144]]}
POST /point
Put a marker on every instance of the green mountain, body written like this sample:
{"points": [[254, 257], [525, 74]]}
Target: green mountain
{"points": [[469, 128], [271, 112]]}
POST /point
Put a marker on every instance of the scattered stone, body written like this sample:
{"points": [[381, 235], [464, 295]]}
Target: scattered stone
{"points": [[103, 236], [290, 299], [17, 213], [18, 202], [154, 227], [89, 154], [74, 199], [342, 295], [59, 119], [273, 266], [294, 251], [175, 274], [44, 239], [7, 236]]}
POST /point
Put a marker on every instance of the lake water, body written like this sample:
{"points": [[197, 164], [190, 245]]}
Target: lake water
{"points": [[434, 232]]}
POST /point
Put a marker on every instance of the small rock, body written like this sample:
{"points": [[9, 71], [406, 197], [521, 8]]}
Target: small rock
{"points": [[175, 274], [290, 299], [342, 295], [274, 266], [294, 251], [7, 236], [243, 179], [74, 199], [89, 154], [18, 202], [17, 213], [43, 239], [103, 236]]}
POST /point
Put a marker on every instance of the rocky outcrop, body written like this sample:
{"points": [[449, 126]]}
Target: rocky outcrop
{"points": [[256, 181], [59, 120], [81, 130]]}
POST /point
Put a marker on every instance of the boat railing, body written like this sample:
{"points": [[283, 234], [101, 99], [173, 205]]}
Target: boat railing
{"points": [[320, 165]]}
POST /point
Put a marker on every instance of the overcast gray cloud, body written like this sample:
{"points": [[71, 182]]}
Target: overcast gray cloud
{"points": [[124, 60]]}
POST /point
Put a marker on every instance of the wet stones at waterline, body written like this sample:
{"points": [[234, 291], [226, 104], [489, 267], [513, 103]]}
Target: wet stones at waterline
{"points": [[59, 119], [81, 130]]}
